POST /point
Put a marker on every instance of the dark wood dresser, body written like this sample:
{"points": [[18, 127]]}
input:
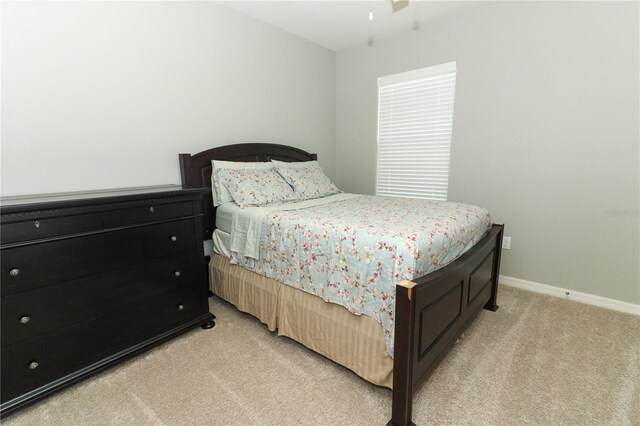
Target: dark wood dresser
{"points": [[91, 278]]}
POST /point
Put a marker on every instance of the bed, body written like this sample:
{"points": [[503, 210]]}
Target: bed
{"points": [[431, 311]]}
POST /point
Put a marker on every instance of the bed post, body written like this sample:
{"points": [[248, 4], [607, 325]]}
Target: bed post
{"points": [[402, 400], [186, 172], [492, 304]]}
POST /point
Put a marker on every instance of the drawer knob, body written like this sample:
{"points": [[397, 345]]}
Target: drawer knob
{"points": [[177, 273], [151, 209], [181, 307], [24, 319], [174, 238], [14, 272], [37, 224], [33, 365]]}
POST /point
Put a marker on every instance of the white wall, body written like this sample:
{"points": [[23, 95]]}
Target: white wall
{"points": [[546, 131], [106, 94]]}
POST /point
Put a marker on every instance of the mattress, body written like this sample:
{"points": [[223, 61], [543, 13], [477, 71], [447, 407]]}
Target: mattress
{"points": [[352, 250], [224, 215]]}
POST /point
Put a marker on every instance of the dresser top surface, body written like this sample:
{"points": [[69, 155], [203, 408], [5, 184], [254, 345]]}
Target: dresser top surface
{"points": [[103, 195]]}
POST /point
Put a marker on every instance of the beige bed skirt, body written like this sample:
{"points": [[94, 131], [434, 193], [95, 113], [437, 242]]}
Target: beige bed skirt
{"points": [[354, 341]]}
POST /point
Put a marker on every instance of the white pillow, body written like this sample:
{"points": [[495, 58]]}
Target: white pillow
{"points": [[220, 193]]}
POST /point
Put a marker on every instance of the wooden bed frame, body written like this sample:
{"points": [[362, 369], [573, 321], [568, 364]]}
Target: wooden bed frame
{"points": [[431, 311]]}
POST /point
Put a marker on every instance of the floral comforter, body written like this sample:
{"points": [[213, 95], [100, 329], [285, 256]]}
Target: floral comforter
{"points": [[354, 251]]}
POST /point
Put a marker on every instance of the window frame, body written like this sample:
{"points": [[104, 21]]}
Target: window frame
{"points": [[412, 77]]}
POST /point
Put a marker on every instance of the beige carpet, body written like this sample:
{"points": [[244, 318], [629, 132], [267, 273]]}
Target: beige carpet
{"points": [[538, 360]]}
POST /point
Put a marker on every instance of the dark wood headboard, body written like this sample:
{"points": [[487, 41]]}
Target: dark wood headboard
{"points": [[196, 169]]}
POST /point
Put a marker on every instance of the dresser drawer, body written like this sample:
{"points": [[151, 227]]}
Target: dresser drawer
{"points": [[146, 214], [51, 227], [35, 362], [32, 313], [37, 265]]}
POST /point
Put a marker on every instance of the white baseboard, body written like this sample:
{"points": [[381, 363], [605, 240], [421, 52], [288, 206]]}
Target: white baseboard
{"points": [[589, 299]]}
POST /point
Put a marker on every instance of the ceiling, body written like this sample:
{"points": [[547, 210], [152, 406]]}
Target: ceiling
{"points": [[339, 25]]}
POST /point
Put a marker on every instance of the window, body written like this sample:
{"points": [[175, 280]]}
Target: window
{"points": [[415, 117]]}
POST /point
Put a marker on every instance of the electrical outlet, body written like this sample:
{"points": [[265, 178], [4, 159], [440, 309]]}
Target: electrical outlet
{"points": [[506, 243]]}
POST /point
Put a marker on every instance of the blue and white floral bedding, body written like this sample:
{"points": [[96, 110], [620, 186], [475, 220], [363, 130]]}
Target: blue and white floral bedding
{"points": [[353, 249]]}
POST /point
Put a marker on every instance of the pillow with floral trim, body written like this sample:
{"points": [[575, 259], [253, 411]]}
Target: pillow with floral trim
{"points": [[220, 193], [307, 179], [256, 187]]}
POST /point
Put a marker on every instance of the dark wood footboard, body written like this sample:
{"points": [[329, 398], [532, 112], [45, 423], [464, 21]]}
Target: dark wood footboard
{"points": [[432, 312]]}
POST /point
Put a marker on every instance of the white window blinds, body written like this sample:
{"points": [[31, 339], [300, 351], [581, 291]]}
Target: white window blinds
{"points": [[415, 117]]}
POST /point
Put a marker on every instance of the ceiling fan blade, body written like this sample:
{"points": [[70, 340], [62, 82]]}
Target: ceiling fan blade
{"points": [[397, 5]]}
